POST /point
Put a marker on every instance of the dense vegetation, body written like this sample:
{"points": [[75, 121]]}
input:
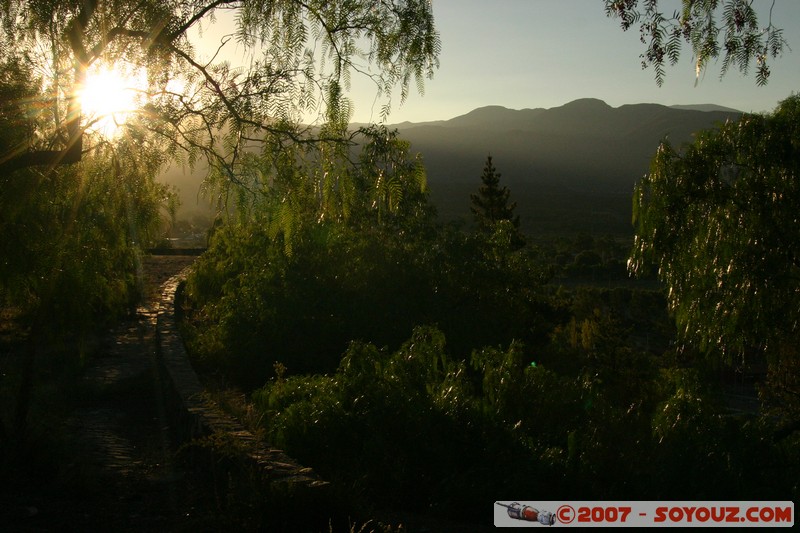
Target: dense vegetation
{"points": [[417, 366], [425, 366], [79, 203], [719, 220], [72, 240]]}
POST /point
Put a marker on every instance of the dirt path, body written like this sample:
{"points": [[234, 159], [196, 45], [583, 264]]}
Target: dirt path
{"points": [[121, 474], [121, 471]]}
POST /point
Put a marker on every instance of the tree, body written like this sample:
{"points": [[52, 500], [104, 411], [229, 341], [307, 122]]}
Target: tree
{"points": [[298, 56], [108, 203], [743, 40], [491, 203], [719, 220]]}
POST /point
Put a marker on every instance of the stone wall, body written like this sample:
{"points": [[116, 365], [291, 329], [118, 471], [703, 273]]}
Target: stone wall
{"points": [[215, 441]]}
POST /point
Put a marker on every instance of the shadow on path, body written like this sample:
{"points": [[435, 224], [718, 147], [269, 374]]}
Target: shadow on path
{"points": [[120, 473]]}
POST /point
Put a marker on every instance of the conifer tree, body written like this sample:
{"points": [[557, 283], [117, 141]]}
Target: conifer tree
{"points": [[491, 203]]}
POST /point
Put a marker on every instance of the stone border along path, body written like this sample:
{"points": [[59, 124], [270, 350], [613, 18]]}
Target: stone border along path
{"points": [[147, 451], [197, 420]]}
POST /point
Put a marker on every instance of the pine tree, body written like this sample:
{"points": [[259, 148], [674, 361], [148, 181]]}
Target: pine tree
{"points": [[491, 203]]}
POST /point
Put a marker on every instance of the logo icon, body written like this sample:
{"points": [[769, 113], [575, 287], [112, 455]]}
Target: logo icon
{"points": [[528, 513]]}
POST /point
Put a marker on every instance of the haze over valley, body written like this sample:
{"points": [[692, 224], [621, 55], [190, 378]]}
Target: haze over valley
{"points": [[271, 243], [570, 169]]}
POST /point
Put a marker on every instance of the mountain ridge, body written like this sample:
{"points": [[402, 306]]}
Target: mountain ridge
{"points": [[578, 154], [484, 111], [569, 168]]}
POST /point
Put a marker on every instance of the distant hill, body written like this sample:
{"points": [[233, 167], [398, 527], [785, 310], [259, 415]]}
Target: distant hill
{"points": [[569, 168], [706, 107]]}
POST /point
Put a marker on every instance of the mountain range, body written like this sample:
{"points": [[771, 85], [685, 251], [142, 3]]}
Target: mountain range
{"points": [[569, 168]]}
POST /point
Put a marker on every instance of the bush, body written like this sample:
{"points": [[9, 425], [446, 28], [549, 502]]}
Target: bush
{"points": [[256, 305]]}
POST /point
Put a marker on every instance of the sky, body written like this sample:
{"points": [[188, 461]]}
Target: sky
{"points": [[546, 53]]}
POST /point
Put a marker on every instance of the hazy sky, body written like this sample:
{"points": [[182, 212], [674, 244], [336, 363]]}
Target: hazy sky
{"points": [[545, 53]]}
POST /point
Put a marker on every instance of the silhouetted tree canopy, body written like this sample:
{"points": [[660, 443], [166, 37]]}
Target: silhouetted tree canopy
{"points": [[76, 208], [731, 29], [299, 56], [491, 204], [720, 221]]}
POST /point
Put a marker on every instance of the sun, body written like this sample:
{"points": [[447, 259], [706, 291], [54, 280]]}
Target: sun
{"points": [[108, 98]]}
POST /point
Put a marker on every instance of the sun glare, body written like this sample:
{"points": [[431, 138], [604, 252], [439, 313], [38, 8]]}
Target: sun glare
{"points": [[109, 96]]}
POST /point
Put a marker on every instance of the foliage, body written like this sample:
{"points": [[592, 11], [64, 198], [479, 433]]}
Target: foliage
{"points": [[585, 415], [17, 84], [501, 422], [720, 222], [302, 251], [780, 391], [391, 186], [350, 252], [491, 204], [191, 108], [361, 426], [729, 28], [691, 433], [257, 304], [72, 238], [296, 55]]}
